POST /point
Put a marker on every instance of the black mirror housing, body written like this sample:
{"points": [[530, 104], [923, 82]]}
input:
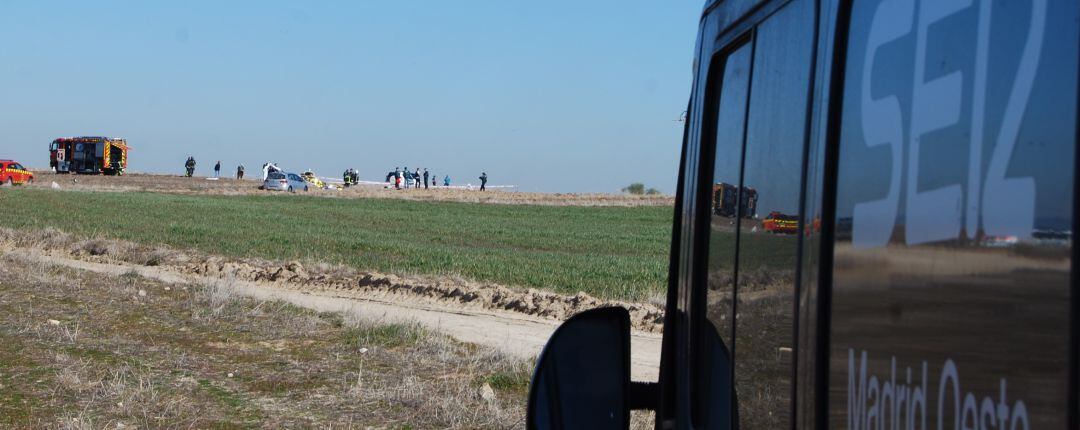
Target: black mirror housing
{"points": [[582, 377]]}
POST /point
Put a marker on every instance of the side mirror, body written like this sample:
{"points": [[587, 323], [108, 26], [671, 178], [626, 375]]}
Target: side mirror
{"points": [[582, 378]]}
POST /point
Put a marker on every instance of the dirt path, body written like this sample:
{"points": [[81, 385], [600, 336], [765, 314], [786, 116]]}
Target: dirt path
{"points": [[513, 333]]}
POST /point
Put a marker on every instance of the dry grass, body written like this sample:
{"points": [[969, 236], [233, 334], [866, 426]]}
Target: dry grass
{"points": [[83, 351]]}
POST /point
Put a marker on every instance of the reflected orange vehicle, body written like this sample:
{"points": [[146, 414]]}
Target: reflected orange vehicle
{"points": [[779, 223]]}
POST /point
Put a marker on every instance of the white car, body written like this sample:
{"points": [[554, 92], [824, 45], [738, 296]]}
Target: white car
{"points": [[283, 181]]}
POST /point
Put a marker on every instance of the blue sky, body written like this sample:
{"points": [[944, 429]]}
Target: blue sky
{"points": [[569, 96]]}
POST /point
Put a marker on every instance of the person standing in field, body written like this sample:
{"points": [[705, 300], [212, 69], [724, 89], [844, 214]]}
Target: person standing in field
{"points": [[416, 178], [405, 177], [483, 181], [446, 181], [425, 178], [240, 172], [217, 169], [189, 165]]}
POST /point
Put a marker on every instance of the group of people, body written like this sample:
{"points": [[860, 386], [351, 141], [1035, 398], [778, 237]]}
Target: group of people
{"points": [[403, 178], [399, 178], [189, 168], [350, 177]]}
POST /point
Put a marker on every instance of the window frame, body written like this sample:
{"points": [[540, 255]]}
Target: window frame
{"points": [[741, 32], [703, 207]]}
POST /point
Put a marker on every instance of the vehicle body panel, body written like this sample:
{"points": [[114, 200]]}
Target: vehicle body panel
{"points": [[89, 155], [14, 173], [935, 264], [284, 181]]}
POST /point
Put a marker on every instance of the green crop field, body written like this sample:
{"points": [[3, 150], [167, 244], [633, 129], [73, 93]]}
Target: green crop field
{"points": [[610, 252]]}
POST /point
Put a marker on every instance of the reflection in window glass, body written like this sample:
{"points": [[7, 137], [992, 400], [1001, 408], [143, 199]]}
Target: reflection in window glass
{"points": [[714, 338], [729, 139], [954, 202], [768, 236]]}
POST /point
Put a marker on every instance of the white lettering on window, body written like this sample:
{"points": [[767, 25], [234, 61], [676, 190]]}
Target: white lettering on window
{"points": [[902, 404], [1005, 206], [932, 215], [1009, 203], [882, 124]]}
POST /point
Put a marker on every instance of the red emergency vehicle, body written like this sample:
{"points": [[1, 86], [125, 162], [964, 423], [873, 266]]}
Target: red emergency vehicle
{"points": [[12, 173], [88, 154], [779, 223]]}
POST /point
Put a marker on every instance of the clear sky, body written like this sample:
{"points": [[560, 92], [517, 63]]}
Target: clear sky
{"points": [[567, 95]]}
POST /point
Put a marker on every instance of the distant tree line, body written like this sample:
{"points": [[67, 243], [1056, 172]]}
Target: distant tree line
{"points": [[638, 189]]}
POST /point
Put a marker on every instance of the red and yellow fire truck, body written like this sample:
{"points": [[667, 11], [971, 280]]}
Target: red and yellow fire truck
{"points": [[89, 155], [12, 173]]}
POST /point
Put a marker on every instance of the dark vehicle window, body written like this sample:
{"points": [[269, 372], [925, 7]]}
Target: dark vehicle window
{"points": [[729, 137], [757, 177], [768, 236], [275, 175], [16, 166], [950, 303], [713, 352]]}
